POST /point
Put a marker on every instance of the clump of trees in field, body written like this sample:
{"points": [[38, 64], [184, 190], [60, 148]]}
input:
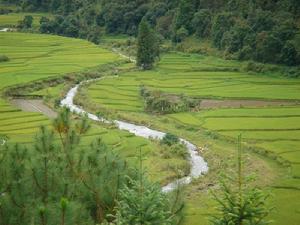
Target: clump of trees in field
{"points": [[59, 181], [162, 103], [70, 26], [259, 30], [26, 23]]}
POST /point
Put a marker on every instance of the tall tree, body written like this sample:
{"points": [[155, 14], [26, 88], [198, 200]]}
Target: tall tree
{"points": [[147, 46], [240, 204]]}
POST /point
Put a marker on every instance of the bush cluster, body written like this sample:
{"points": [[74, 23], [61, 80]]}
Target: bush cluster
{"points": [[159, 102], [4, 58]]}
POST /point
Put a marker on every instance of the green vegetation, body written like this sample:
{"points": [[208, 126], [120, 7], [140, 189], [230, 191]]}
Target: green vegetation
{"points": [[176, 98], [259, 30], [240, 204], [26, 23], [170, 139], [38, 57], [270, 131], [4, 58], [143, 202], [35, 57], [91, 179], [158, 102], [147, 46], [195, 76], [12, 19]]}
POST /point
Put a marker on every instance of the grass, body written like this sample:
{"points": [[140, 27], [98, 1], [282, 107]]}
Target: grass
{"points": [[36, 57], [177, 73], [275, 130], [11, 19]]}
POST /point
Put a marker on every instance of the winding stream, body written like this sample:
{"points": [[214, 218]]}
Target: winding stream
{"points": [[198, 165]]}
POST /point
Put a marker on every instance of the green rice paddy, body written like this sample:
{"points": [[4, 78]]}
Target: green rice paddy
{"points": [[11, 19], [193, 76], [35, 57], [274, 130]]}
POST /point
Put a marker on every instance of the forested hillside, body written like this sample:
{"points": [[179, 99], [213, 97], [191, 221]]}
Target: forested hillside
{"points": [[260, 30]]}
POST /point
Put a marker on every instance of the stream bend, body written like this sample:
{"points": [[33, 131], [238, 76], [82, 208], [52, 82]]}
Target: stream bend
{"points": [[198, 165]]}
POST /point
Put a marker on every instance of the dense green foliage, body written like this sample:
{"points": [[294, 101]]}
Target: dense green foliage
{"points": [[93, 180], [83, 192], [147, 46], [158, 102], [26, 23], [142, 202], [170, 139], [4, 58], [259, 30]]}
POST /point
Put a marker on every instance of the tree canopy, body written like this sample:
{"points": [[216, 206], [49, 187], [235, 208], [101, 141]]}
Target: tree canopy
{"points": [[147, 46], [240, 28]]}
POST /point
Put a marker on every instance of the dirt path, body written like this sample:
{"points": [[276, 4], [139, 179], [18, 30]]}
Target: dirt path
{"points": [[29, 105], [214, 104]]}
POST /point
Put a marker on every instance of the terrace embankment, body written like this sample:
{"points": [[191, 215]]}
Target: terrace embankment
{"points": [[227, 103], [34, 105]]}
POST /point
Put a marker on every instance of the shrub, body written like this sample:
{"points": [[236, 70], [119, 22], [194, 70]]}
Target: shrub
{"points": [[254, 67], [289, 54], [293, 72], [26, 23], [159, 102], [4, 58], [179, 150], [170, 139], [246, 53]]}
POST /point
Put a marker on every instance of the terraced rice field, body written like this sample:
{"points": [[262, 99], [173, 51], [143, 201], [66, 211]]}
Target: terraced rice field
{"points": [[34, 57], [11, 19], [273, 129], [18, 125], [197, 76]]}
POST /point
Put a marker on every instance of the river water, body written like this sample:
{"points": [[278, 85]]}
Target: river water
{"points": [[198, 165]]}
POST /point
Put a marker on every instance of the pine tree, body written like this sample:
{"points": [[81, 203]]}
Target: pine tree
{"points": [[143, 202], [18, 193], [147, 46], [240, 204], [103, 175]]}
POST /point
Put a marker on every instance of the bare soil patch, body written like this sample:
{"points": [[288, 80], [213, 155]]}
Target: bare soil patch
{"points": [[34, 105], [213, 104]]}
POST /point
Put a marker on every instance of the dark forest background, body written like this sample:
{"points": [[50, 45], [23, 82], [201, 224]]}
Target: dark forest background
{"points": [[260, 30]]}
